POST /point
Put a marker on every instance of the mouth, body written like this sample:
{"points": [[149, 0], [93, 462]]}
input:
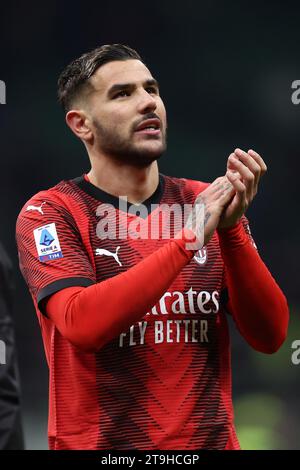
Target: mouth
{"points": [[149, 127]]}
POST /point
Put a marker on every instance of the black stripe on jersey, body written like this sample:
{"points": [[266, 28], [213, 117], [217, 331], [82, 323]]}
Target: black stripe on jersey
{"points": [[56, 286], [107, 198]]}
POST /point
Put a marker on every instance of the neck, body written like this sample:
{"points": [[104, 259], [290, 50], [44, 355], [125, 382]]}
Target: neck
{"points": [[119, 179]]}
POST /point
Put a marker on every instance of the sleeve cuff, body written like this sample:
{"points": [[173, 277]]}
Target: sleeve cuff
{"points": [[232, 237], [56, 286]]}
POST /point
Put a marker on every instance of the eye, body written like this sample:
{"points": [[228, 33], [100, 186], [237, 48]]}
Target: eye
{"points": [[122, 94], [152, 89]]}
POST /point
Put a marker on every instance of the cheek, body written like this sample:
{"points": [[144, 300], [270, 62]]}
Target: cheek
{"points": [[117, 121]]}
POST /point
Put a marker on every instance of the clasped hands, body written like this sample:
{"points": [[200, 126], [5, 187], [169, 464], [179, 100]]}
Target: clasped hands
{"points": [[225, 201]]}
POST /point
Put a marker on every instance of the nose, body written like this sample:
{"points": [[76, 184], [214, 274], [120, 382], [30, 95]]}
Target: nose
{"points": [[147, 103]]}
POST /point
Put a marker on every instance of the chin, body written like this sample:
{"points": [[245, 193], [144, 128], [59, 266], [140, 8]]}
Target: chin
{"points": [[140, 155], [144, 160], [151, 156], [152, 151]]}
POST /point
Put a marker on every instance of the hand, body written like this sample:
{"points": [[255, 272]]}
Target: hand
{"points": [[244, 171], [207, 210]]}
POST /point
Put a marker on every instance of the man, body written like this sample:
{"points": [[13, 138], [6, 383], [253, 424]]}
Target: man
{"points": [[134, 324], [11, 433]]}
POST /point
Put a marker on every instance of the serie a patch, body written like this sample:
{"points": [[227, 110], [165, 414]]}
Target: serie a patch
{"points": [[47, 243]]}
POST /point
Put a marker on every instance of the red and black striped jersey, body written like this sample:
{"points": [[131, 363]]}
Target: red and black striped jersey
{"points": [[166, 382]]}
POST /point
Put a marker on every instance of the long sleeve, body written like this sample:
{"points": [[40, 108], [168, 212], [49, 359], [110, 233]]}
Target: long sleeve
{"points": [[90, 317], [256, 302]]}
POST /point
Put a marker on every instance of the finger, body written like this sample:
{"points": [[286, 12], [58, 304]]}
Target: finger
{"points": [[225, 190], [235, 181], [252, 164], [216, 185], [229, 164], [259, 160], [247, 175], [227, 193], [240, 199]]}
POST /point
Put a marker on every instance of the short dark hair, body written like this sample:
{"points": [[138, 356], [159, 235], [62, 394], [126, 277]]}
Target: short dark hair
{"points": [[74, 78]]}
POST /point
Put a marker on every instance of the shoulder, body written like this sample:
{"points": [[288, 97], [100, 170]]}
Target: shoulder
{"points": [[48, 200], [48, 208]]}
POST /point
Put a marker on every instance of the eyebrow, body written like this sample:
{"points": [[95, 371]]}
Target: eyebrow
{"points": [[123, 86]]}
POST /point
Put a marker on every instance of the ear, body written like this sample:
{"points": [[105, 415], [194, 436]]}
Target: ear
{"points": [[78, 122]]}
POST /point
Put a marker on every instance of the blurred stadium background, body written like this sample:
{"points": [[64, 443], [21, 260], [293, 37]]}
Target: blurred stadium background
{"points": [[225, 70]]}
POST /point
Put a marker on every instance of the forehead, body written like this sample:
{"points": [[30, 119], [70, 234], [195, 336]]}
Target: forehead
{"points": [[120, 71]]}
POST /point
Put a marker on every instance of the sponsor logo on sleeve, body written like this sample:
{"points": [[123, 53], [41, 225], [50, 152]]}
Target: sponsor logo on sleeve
{"points": [[47, 243]]}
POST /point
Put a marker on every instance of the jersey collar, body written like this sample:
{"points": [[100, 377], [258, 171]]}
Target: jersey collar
{"points": [[104, 197]]}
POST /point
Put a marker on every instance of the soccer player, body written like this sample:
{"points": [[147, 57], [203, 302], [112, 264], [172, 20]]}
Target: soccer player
{"points": [[133, 316]]}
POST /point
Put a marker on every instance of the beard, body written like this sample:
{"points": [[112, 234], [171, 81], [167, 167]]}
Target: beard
{"points": [[123, 150]]}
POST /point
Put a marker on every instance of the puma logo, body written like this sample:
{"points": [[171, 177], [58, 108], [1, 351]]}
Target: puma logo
{"points": [[102, 251], [36, 208]]}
